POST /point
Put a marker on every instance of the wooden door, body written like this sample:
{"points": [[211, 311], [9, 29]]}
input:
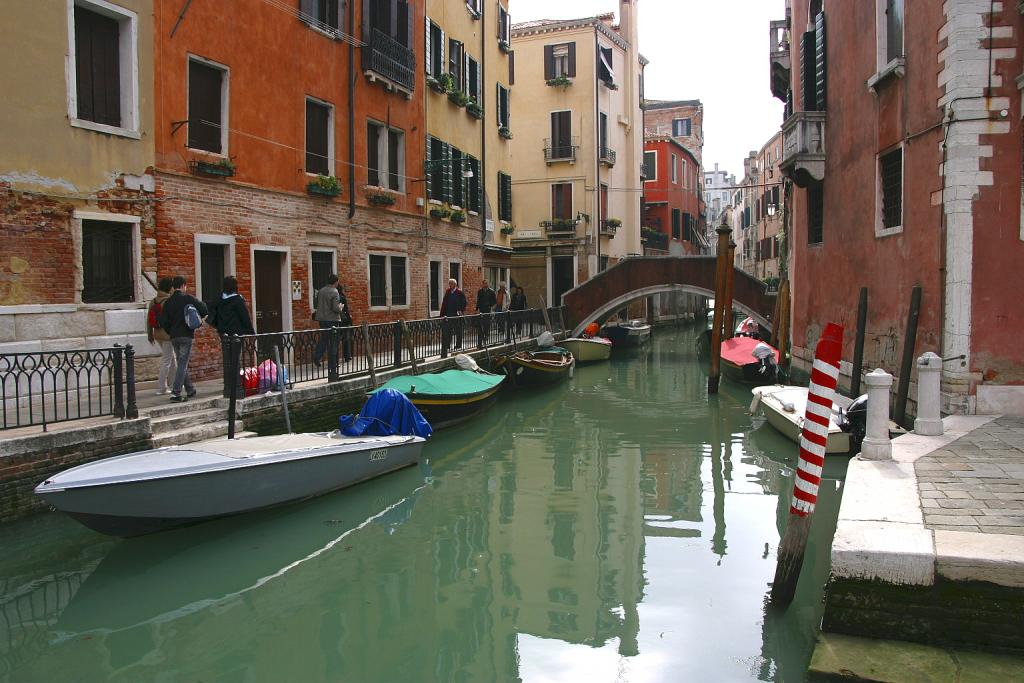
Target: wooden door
{"points": [[267, 291]]}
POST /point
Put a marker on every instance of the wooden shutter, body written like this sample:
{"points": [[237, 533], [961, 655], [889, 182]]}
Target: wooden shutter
{"points": [[512, 68], [373, 154], [204, 107], [394, 172], [317, 136], [549, 62], [426, 47], [366, 21], [819, 62], [572, 59], [429, 168], [97, 67], [446, 175], [807, 71]]}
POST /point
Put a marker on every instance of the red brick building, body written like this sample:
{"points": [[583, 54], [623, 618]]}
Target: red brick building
{"points": [[916, 182], [672, 195], [256, 128]]}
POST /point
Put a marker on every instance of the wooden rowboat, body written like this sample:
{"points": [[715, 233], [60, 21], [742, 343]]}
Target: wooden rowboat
{"points": [[588, 349], [532, 368], [450, 397]]}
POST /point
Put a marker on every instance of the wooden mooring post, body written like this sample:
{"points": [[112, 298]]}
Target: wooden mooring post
{"points": [[716, 326], [858, 342], [729, 326], [410, 347], [368, 352], [807, 478], [909, 341]]}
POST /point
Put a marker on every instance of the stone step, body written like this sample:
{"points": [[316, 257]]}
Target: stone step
{"points": [[180, 437], [176, 421], [190, 406]]}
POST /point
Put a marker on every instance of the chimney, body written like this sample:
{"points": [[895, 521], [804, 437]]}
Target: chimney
{"points": [[628, 22]]}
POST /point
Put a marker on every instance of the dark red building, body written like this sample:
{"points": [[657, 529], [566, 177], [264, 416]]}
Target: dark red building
{"points": [[673, 197]]}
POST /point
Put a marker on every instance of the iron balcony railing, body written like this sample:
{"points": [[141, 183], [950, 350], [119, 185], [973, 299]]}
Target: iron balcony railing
{"points": [[609, 226], [59, 386], [563, 149], [778, 47], [608, 156], [560, 225], [342, 352], [803, 146], [387, 57]]}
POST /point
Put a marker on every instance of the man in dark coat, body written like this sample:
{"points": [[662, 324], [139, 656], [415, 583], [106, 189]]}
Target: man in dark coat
{"points": [[453, 305], [230, 315], [485, 302], [172, 319]]}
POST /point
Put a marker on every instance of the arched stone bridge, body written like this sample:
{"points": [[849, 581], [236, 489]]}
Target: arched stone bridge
{"points": [[641, 276]]}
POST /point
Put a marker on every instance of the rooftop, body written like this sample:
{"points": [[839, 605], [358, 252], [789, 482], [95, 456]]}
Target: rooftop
{"points": [[670, 104]]}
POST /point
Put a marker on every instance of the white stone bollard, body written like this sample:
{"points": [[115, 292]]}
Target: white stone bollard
{"points": [[876, 444], [929, 419]]}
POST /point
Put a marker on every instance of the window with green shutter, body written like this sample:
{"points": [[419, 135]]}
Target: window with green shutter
{"points": [[504, 197], [474, 199]]}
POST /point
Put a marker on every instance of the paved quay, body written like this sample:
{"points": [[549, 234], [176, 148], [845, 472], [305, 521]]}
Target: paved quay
{"points": [[929, 546]]}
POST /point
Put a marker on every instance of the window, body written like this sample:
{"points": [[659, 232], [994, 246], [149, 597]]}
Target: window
{"points": [[561, 135], [319, 137], [604, 201], [504, 197], [676, 230], [389, 17], [456, 55], [457, 198], [434, 50], [813, 65], [473, 198], [474, 7], [473, 78], [454, 272], [385, 157], [321, 267], [651, 165], [504, 26], [503, 113], [207, 100], [388, 281], [815, 213], [893, 30], [890, 172], [107, 262], [435, 286], [212, 269], [561, 201], [324, 15], [103, 87], [439, 178], [603, 135], [559, 60], [682, 127], [688, 222], [604, 67], [512, 67], [686, 175], [674, 169]]}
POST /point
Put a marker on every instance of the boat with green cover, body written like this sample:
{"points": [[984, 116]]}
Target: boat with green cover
{"points": [[449, 397]]}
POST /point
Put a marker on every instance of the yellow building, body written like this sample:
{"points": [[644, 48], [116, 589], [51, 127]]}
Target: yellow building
{"points": [[76, 189], [578, 149], [468, 159]]}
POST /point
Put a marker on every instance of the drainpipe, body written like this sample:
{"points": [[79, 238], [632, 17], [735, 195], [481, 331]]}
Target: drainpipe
{"points": [[480, 80], [597, 156], [351, 116]]}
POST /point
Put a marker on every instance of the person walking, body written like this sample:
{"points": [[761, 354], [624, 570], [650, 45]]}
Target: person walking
{"points": [[328, 315], [502, 301], [230, 316], [180, 324], [518, 303], [485, 301], [453, 305], [157, 335]]}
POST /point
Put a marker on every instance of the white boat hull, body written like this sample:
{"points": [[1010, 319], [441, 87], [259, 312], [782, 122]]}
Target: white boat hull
{"points": [[587, 350], [784, 407]]}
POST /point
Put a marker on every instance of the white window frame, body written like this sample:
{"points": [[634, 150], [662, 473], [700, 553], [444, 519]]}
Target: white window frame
{"points": [[880, 229], [77, 240], [229, 256], [387, 278], [128, 48], [560, 59], [457, 263], [885, 66], [683, 135], [225, 99], [383, 170], [674, 171], [442, 283], [334, 266], [330, 135], [655, 153]]}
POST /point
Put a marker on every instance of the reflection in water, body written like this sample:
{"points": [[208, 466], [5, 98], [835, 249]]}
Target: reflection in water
{"points": [[621, 526]]}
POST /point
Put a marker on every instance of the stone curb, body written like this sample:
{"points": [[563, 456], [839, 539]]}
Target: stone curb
{"points": [[881, 536]]}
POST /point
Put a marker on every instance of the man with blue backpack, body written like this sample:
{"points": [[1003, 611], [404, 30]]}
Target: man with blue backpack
{"points": [[181, 316]]}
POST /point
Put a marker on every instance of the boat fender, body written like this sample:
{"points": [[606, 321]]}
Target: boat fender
{"points": [[466, 362], [755, 403], [571, 368], [789, 407]]}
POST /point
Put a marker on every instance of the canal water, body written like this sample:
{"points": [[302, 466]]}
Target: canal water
{"points": [[619, 527]]}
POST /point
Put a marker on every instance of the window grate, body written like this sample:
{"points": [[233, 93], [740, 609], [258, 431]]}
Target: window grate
{"points": [[107, 262], [891, 171]]}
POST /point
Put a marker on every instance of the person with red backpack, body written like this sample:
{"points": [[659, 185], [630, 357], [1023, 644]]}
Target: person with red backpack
{"points": [[157, 335]]}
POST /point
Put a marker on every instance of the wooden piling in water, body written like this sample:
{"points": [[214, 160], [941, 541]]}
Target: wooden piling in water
{"points": [[909, 341], [716, 326], [729, 325], [782, 323], [368, 352], [858, 342]]}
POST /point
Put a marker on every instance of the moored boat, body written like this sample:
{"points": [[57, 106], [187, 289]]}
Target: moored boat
{"points": [[784, 408], [588, 349], [450, 397], [531, 368], [627, 334], [745, 359]]}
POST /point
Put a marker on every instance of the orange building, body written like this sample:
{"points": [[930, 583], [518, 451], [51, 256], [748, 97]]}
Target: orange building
{"points": [[271, 167]]}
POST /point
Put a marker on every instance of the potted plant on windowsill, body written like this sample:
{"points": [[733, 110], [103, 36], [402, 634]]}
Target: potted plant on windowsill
{"points": [[458, 98], [504, 45], [609, 84], [458, 216], [379, 196], [563, 223], [440, 212], [559, 80], [614, 223], [508, 229], [325, 186], [439, 84], [504, 132], [224, 168], [474, 109]]}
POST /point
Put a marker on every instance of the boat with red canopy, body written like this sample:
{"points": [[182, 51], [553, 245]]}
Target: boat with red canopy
{"points": [[748, 360]]}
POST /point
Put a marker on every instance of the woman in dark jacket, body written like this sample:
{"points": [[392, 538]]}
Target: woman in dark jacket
{"points": [[229, 314]]}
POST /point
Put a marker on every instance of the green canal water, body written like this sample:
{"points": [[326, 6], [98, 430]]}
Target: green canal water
{"points": [[619, 527]]}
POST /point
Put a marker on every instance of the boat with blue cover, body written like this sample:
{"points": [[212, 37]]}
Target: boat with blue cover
{"points": [[450, 397]]}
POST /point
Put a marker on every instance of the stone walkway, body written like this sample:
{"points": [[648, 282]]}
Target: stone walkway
{"points": [[976, 483]]}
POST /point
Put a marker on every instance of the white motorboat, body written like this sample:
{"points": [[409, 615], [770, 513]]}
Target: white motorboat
{"points": [[784, 407], [139, 493], [588, 349]]}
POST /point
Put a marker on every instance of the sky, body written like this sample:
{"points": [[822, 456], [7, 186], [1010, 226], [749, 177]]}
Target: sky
{"points": [[715, 51]]}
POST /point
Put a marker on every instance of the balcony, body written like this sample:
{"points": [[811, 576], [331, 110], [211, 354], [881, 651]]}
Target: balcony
{"points": [[609, 226], [803, 147], [779, 58], [564, 149], [560, 225], [387, 59], [607, 156]]}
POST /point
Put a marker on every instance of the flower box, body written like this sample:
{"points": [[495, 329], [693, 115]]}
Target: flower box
{"points": [[475, 110], [440, 213], [325, 186], [458, 98], [458, 217], [505, 46], [436, 85], [223, 169], [504, 132], [380, 199], [508, 230], [563, 81]]}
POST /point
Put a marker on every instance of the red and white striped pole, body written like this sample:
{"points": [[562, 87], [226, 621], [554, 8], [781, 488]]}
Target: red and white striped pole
{"points": [[820, 395]]}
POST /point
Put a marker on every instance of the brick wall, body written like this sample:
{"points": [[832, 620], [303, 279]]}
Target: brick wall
{"points": [[255, 217], [29, 460]]}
